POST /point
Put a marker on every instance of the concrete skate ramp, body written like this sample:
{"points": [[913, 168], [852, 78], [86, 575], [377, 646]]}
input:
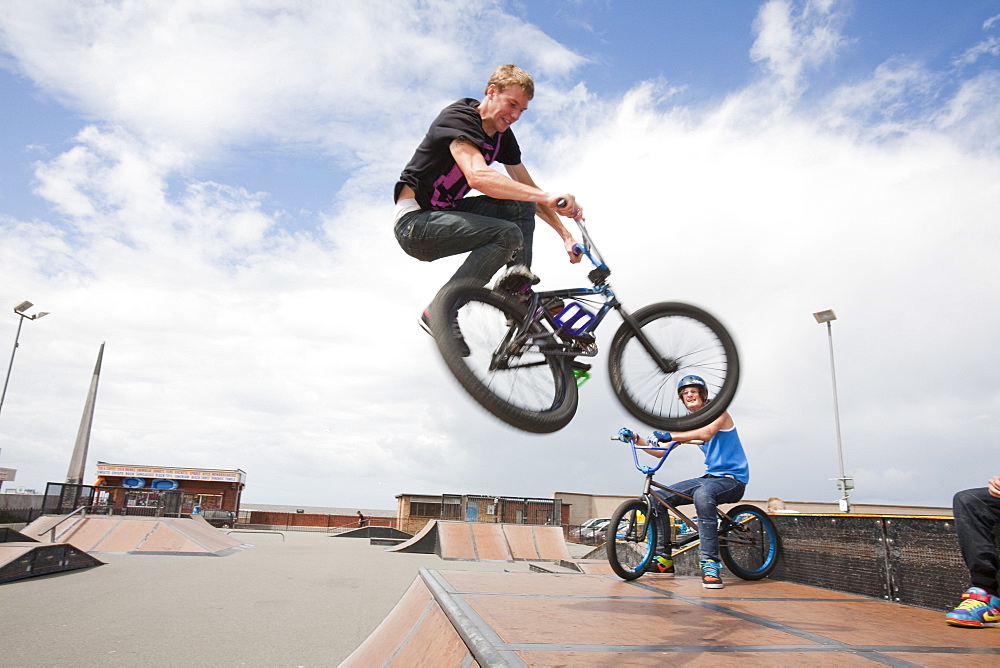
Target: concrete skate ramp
{"points": [[482, 541], [459, 618], [191, 536]]}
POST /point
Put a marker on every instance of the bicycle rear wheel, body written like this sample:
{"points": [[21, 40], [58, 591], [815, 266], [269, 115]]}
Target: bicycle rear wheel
{"points": [[509, 376], [687, 340], [749, 547], [631, 539]]}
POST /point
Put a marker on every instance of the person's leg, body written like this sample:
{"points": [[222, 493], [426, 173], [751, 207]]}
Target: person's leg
{"points": [[707, 497], [977, 524], [431, 235], [522, 214]]}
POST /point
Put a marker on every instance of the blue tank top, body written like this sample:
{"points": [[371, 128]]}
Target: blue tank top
{"points": [[724, 456]]}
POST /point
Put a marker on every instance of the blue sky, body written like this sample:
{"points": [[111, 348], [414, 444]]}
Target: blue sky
{"points": [[206, 188]]}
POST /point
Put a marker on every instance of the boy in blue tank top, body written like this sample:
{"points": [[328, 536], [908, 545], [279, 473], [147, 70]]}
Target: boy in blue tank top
{"points": [[726, 476]]}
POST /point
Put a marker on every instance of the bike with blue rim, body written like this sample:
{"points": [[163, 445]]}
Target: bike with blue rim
{"points": [[522, 356], [748, 539]]}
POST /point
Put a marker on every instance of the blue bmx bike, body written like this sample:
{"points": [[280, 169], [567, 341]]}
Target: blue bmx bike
{"points": [[748, 539], [521, 357]]}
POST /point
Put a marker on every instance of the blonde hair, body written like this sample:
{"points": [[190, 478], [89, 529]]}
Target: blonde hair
{"points": [[512, 75]]}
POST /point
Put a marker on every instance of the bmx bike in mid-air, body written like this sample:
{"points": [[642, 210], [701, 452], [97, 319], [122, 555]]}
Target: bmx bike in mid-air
{"points": [[516, 355]]}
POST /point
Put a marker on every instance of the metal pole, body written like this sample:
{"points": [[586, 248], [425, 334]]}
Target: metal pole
{"points": [[836, 417], [11, 365]]}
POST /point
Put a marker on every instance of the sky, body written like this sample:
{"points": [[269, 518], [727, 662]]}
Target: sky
{"points": [[207, 189]]}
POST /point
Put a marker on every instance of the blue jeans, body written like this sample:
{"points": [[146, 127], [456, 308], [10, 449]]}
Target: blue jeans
{"points": [[977, 524], [708, 492], [497, 232]]}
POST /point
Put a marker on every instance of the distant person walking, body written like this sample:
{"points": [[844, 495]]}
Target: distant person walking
{"points": [[977, 523], [361, 519]]}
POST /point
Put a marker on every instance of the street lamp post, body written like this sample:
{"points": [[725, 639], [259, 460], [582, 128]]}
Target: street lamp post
{"points": [[844, 483], [20, 311]]}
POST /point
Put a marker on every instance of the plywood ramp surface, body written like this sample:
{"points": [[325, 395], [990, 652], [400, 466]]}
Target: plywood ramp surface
{"points": [[140, 535], [534, 619]]}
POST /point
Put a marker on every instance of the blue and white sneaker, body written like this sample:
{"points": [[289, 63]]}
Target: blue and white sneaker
{"points": [[978, 609], [710, 574]]}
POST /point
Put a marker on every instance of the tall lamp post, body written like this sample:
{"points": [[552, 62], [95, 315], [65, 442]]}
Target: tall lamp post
{"points": [[20, 311], [844, 483]]}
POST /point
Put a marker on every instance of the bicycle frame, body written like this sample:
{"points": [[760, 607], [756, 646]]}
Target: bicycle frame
{"points": [[598, 276]]}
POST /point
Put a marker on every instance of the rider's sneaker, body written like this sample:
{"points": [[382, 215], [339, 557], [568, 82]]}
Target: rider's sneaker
{"points": [[710, 574], [661, 566], [978, 609], [456, 332], [517, 280], [425, 322]]}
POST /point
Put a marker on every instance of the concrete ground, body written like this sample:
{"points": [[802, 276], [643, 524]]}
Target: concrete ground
{"points": [[309, 600]]}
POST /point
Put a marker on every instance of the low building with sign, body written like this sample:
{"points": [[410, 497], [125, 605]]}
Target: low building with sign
{"points": [[128, 486]]}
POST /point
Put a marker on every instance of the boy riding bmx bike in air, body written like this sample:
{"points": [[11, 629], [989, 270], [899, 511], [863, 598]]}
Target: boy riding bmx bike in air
{"points": [[435, 219]]}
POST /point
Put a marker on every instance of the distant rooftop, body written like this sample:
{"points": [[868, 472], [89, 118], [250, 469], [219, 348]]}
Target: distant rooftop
{"points": [[316, 510]]}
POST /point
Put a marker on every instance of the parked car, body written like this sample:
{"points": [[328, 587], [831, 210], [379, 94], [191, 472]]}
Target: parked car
{"points": [[595, 532], [601, 534], [223, 519], [586, 530]]}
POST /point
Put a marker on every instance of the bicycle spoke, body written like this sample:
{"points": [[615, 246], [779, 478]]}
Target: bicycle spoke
{"points": [[686, 341], [500, 364]]}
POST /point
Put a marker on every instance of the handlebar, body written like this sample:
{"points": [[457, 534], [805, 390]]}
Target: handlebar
{"points": [[665, 449]]}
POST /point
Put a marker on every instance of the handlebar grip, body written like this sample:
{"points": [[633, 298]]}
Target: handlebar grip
{"points": [[561, 202], [577, 249]]}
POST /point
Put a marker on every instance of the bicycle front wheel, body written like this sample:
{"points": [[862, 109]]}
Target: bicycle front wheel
{"points": [[631, 539], [749, 546], [508, 375], [684, 340]]}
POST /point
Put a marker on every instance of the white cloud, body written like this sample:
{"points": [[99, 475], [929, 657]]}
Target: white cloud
{"points": [[233, 341]]}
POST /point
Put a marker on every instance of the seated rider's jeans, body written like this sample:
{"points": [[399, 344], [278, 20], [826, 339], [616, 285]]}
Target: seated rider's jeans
{"points": [[497, 232], [708, 492], [977, 521]]}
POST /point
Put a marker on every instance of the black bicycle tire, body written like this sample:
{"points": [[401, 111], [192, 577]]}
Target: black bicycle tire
{"points": [[728, 551], [665, 384], [614, 547], [565, 396]]}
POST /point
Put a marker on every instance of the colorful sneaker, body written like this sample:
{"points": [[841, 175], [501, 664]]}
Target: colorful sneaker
{"points": [[710, 574], [661, 566], [978, 609], [516, 280], [425, 324]]}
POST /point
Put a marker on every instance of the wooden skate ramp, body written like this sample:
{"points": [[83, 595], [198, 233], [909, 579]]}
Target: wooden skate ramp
{"points": [[462, 618], [191, 536], [483, 541]]}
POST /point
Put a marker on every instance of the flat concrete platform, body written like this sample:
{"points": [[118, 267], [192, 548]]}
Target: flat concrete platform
{"points": [[451, 618], [312, 601]]}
